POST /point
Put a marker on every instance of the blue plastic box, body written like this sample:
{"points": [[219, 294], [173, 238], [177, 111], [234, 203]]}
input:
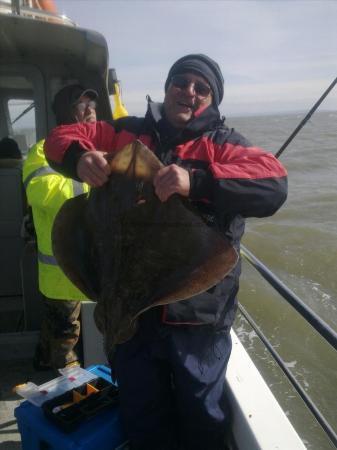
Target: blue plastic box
{"points": [[103, 432]]}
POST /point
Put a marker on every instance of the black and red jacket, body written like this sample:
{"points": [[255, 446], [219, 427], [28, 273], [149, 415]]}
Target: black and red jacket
{"points": [[230, 180]]}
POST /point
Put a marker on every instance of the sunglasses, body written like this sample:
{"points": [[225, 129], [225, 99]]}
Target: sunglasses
{"points": [[82, 106], [181, 82]]}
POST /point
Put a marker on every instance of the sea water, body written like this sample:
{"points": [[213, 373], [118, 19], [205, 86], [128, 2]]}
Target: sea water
{"points": [[299, 244]]}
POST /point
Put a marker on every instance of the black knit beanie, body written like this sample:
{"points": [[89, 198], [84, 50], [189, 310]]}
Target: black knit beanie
{"points": [[201, 65]]}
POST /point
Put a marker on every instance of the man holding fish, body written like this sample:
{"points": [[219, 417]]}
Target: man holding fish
{"points": [[171, 372]]}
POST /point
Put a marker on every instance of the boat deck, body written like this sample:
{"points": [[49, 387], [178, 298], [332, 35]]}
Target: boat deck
{"points": [[16, 353], [244, 383], [20, 371], [13, 372]]}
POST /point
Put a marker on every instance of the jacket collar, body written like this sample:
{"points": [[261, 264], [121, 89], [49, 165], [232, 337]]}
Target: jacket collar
{"points": [[208, 120]]}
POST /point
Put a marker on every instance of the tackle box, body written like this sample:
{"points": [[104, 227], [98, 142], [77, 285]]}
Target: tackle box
{"points": [[78, 405], [101, 430]]}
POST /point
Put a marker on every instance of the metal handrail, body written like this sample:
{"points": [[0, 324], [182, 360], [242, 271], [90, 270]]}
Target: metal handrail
{"points": [[297, 386], [315, 321], [310, 316]]}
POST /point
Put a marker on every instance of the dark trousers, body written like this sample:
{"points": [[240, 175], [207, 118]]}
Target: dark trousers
{"points": [[171, 381]]}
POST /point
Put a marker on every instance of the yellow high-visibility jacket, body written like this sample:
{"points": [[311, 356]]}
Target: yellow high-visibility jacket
{"points": [[46, 191]]}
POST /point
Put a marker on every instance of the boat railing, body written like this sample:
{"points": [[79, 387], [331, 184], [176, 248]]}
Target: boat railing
{"points": [[15, 7], [309, 315]]}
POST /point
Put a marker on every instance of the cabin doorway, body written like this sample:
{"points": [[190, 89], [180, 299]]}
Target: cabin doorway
{"points": [[20, 300]]}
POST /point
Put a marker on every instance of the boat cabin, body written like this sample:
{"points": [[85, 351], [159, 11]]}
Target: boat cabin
{"points": [[40, 53]]}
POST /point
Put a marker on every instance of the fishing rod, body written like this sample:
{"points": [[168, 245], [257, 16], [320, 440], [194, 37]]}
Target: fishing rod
{"points": [[305, 120]]}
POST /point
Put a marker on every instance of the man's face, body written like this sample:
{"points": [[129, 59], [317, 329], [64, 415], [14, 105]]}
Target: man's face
{"points": [[186, 94], [85, 109]]}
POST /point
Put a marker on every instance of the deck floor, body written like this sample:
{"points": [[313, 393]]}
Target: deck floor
{"points": [[19, 370], [11, 374]]}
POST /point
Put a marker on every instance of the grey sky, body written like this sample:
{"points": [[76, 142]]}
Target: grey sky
{"points": [[276, 56]]}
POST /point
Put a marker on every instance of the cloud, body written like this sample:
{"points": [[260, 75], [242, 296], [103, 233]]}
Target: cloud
{"points": [[274, 54], [278, 97]]}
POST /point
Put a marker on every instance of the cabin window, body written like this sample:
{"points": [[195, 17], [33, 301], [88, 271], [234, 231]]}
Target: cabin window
{"points": [[22, 117]]}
